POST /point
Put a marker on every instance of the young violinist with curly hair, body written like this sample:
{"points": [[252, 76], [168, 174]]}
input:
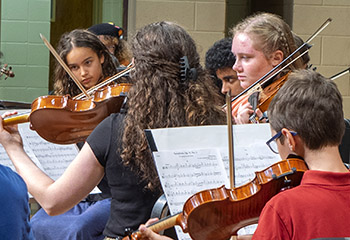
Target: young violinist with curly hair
{"points": [[161, 96], [306, 119], [89, 61], [260, 42]]}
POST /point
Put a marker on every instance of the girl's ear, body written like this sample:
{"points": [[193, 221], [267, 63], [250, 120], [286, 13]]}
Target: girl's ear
{"points": [[102, 59], [276, 57]]}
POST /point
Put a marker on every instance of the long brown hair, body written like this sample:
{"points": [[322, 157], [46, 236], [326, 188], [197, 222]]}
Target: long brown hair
{"points": [[159, 97], [63, 84]]}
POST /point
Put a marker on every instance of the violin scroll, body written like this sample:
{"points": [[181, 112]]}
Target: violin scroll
{"points": [[7, 71]]}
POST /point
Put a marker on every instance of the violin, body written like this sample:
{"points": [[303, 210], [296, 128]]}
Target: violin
{"points": [[63, 120], [219, 213], [7, 71], [261, 93], [260, 98], [66, 120]]}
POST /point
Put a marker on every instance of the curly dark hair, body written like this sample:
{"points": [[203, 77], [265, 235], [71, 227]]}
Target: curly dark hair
{"points": [[63, 84], [159, 98], [219, 56]]}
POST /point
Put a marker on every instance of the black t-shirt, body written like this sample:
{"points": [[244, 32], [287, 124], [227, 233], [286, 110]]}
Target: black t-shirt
{"points": [[131, 204]]}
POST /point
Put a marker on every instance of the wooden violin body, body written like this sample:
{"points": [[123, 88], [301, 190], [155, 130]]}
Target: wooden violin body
{"points": [[62, 120], [266, 94], [219, 213]]}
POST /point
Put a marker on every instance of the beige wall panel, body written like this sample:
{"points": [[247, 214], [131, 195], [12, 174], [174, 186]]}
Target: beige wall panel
{"points": [[210, 17], [336, 2], [182, 13], [336, 51], [346, 106], [204, 41], [315, 50], [308, 2], [308, 18], [343, 82]]}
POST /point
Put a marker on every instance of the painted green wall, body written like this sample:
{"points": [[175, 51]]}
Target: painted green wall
{"points": [[21, 23], [112, 11]]}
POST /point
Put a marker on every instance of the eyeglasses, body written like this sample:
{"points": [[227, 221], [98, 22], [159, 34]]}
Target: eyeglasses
{"points": [[272, 143]]}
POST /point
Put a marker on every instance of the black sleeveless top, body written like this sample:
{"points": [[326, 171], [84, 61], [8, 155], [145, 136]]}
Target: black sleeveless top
{"points": [[131, 204]]}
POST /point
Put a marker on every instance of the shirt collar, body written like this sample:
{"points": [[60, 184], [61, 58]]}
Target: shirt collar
{"points": [[315, 177]]}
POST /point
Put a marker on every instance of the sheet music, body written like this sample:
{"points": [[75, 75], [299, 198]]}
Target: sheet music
{"points": [[186, 172], [179, 149], [51, 158]]}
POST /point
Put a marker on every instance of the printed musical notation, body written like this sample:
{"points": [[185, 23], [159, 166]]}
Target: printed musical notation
{"points": [[184, 173], [53, 159], [192, 159]]}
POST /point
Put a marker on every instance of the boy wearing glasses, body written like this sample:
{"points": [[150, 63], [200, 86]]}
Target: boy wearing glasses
{"points": [[306, 119]]}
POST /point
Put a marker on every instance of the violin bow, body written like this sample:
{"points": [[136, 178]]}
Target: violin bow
{"points": [[273, 71], [64, 65], [342, 73], [107, 81], [230, 141]]}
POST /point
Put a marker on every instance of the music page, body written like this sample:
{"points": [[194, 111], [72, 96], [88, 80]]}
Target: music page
{"points": [[192, 159]]}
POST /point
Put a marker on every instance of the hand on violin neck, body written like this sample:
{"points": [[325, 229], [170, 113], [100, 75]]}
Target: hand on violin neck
{"points": [[258, 117], [9, 135], [243, 114], [244, 237], [148, 234]]}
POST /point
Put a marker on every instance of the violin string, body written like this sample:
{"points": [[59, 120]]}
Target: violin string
{"points": [[281, 69], [105, 82], [323, 26], [64, 65], [273, 72], [342, 73]]}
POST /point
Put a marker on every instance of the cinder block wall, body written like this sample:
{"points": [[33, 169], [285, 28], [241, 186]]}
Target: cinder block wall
{"points": [[330, 51], [203, 19], [21, 23]]}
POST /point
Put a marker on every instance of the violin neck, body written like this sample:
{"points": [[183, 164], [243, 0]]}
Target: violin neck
{"points": [[165, 223], [23, 118]]}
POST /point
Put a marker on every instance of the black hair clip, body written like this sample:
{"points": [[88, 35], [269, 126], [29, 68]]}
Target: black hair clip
{"points": [[187, 73]]}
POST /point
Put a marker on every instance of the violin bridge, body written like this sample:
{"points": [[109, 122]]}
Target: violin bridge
{"points": [[256, 88]]}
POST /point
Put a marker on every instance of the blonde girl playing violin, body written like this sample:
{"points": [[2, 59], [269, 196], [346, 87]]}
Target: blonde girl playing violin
{"points": [[161, 96], [260, 42], [89, 61]]}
